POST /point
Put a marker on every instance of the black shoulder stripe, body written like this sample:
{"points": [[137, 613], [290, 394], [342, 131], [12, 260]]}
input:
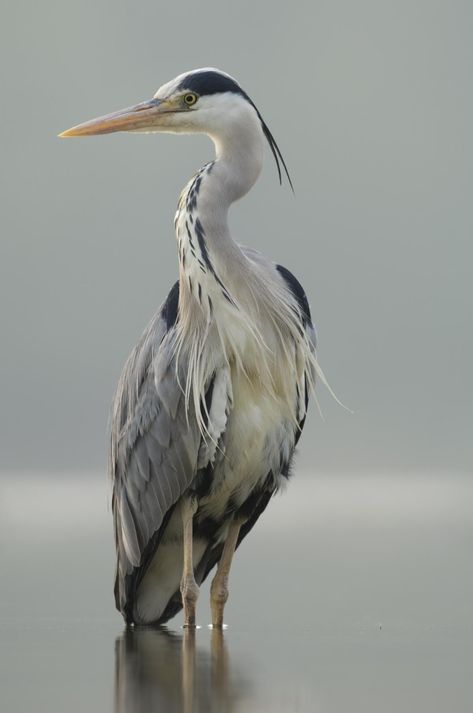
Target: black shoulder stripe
{"points": [[298, 292], [170, 307]]}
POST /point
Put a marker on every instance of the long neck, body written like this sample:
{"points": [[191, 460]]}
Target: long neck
{"points": [[210, 261]]}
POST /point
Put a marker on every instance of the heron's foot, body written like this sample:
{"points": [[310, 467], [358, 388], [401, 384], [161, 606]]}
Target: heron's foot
{"points": [[190, 594], [218, 598]]}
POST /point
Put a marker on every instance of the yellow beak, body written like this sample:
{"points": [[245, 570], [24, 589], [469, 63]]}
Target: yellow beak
{"points": [[135, 118]]}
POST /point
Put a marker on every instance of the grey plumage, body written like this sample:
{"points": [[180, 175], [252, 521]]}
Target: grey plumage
{"points": [[158, 448], [155, 447]]}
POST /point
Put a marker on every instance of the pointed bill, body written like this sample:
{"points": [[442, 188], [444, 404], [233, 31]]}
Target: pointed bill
{"points": [[134, 118]]}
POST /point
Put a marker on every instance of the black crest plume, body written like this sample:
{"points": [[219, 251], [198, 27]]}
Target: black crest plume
{"points": [[278, 157]]}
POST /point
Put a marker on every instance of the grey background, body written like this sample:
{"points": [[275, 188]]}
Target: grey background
{"points": [[371, 103], [355, 590]]}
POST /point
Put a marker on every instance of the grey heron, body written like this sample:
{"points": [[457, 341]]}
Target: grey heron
{"points": [[212, 400]]}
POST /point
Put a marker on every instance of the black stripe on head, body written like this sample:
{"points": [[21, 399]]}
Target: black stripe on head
{"points": [[211, 82]]}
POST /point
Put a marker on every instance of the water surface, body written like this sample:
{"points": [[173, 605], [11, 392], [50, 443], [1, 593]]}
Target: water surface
{"points": [[353, 593]]}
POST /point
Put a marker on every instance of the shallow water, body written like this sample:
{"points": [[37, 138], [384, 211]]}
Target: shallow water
{"points": [[354, 592]]}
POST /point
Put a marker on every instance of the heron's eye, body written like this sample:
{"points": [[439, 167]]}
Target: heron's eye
{"points": [[190, 99]]}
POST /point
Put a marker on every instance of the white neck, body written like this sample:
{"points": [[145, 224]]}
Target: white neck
{"points": [[209, 256], [239, 150]]}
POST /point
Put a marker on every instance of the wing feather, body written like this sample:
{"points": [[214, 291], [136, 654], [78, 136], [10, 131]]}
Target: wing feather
{"points": [[155, 448]]}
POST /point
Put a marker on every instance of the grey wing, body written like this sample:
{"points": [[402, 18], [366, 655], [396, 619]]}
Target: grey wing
{"points": [[156, 448]]}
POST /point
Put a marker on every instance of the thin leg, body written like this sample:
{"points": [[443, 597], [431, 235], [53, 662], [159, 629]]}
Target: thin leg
{"points": [[219, 586], [189, 588]]}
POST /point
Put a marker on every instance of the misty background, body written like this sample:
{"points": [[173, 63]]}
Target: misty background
{"points": [[371, 104], [354, 593]]}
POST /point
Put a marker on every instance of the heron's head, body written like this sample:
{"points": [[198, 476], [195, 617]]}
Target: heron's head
{"points": [[201, 101]]}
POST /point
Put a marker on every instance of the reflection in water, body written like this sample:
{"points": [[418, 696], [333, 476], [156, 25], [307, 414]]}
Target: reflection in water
{"points": [[159, 670]]}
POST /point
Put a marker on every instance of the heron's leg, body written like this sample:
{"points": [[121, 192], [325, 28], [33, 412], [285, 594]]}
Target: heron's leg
{"points": [[219, 586], [189, 587]]}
